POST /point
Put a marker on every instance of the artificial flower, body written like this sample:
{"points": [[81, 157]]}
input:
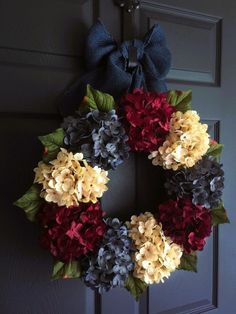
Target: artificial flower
{"points": [[186, 143], [147, 119], [74, 232], [185, 223], [99, 135], [156, 256], [69, 180], [203, 182], [111, 265]]}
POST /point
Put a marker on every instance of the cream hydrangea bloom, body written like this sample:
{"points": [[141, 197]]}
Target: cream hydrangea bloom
{"points": [[156, 256], [185, 144], [69, 180]]}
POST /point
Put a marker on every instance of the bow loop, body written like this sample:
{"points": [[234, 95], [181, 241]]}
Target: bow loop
{"points": [[99, 45], [155, 37], [116, 70], [157, 55]]}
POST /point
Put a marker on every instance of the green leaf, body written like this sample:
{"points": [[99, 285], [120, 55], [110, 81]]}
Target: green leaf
{"points": [[95, 99], [68, 270], [181, 100], [135, 286], [215, 150], [219, 215], [30, 202], [52, 143], [189, 262]]}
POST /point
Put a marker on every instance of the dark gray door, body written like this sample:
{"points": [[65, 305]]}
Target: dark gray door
{"points": [[40, 53]]}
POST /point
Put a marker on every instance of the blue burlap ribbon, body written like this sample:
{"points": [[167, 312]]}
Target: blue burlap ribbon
{"points": [[118, 69]]}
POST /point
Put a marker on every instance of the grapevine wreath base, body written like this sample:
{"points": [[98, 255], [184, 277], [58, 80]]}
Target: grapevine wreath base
{"points": [[70, 181]]}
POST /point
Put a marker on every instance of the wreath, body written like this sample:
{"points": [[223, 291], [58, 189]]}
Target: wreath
{"points": [[69, 182]]}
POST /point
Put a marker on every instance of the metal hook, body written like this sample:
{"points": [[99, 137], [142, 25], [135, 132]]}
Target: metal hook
{"points": [[128, 5], [133, 57]]}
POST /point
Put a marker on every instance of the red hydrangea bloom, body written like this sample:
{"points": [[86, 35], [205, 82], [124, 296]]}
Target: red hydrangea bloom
{"points": [[185, 223], [148, 116], [71, 233]]}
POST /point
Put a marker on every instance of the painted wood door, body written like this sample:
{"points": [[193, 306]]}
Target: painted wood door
{"points": [[41, 47]]}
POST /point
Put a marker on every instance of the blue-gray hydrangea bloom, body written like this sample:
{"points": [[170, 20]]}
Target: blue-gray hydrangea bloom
{"points": [[100, 136], [111, 267], [203, 182]]}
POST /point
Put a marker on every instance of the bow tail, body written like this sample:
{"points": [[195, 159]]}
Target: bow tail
{"points": [[73, 96], [158, 86], [144, 79], [152, 74], [111, 80], [138, 80]]}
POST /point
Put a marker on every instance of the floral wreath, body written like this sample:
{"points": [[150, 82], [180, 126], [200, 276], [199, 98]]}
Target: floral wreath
{"points": [[73, 175]]}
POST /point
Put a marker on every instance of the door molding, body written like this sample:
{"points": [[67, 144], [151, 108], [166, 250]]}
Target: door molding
{"points": [[204, 31]]}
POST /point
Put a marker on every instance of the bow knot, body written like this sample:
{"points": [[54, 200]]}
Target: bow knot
{"points": [[117, 70]]}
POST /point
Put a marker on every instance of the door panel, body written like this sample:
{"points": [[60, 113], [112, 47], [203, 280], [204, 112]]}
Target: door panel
{"points": [[41, 52], [41, 47], [56, 26], [200, 49], [187, 32], [25, 268]]}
